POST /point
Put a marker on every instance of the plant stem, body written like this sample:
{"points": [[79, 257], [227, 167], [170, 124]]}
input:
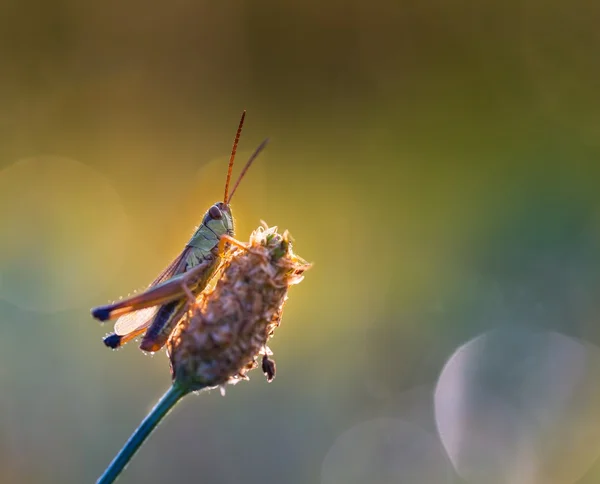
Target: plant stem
{"points": [[166, 403]]}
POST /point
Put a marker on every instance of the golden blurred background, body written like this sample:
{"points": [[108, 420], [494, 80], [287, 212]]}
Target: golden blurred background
{"points": [[437, 161]]}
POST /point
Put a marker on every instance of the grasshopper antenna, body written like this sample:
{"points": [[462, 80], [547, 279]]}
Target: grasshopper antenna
{"points": [[252, 158], [232, 157]]}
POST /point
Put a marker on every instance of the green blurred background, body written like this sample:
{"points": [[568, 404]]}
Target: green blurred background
{"points": [[437, 161]]}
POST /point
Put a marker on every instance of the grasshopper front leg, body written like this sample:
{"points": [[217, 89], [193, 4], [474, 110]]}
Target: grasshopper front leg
{"points": [[226, 239]]}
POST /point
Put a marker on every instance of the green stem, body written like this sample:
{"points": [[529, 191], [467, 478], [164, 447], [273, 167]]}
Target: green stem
{"points": [[166, 403]]}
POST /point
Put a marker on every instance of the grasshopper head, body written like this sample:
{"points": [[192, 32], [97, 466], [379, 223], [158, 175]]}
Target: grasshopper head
{"points": [[219, 219]]}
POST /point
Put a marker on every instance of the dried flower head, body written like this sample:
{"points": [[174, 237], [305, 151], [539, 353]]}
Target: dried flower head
{"points": [[226, 331]]}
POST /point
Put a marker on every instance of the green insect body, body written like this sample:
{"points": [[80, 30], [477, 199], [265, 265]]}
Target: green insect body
{"points": [[155, 311]]}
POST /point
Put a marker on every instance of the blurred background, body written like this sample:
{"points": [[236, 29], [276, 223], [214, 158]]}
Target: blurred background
{"points": [[437, 161]]}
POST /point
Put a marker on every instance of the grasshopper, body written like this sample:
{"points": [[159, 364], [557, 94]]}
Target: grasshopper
{"points": [[156, 311]]}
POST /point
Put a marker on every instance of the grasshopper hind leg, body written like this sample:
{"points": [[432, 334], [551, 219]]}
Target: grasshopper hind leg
{"points": [[101, 313], [113, 341], [160, 329]]}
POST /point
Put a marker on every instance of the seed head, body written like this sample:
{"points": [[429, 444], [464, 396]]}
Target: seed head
{"points": [[224, 334]]}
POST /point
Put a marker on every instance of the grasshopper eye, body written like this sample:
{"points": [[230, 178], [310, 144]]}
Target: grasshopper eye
{"points": [[214, 212]]}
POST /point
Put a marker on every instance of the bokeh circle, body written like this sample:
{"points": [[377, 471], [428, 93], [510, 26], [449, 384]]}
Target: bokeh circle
{"points": [[515, 406], [384, 451], [64, 235]]}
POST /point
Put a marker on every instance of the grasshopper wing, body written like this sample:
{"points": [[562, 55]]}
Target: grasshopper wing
{"points": [[139, 308], [134, 321], [160, 318]]}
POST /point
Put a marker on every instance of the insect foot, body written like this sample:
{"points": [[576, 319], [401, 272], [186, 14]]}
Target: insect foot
{"points": [[224, 336]]}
